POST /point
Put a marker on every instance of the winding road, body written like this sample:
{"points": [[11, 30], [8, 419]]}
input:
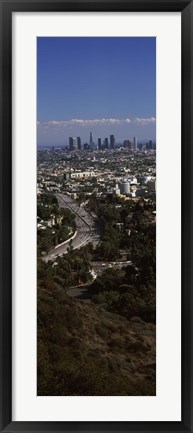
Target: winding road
{"points": [[86, 229]]}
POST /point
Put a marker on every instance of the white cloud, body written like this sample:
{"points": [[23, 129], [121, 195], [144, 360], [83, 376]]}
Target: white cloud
{"points": [[93, 122], [144, 120]]}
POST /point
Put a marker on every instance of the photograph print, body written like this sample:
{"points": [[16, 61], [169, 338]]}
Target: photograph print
{"points": [[96, 216]]}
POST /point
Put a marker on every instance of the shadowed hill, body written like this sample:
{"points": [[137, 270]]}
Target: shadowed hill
{"points": [[84, 350]]}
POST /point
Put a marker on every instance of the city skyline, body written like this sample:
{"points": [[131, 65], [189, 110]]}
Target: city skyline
{"points": [[109, 142], [103, 85]]}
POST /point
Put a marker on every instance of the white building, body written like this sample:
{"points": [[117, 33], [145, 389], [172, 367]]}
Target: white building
{"points": [[82, 174]]}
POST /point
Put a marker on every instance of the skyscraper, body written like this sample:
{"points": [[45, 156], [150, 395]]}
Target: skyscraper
{"points": [[127, 144], [91, 141], [99, 144], [112, 141], [79, 143], [86, 146], [72, 143], [106, 143], [135, 143]]}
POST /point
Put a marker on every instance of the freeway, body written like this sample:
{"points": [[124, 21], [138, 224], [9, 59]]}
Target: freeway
{"points": [[86, 228]]}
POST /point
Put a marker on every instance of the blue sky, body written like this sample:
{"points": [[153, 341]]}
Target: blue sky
{"points": [[103, 85]]}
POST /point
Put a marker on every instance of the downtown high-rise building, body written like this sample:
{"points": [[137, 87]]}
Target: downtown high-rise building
{"points": [[134, 143], [127, 144], [79, 143], [72, 143], [106, 143], [86, 146], [91, 141], [112, 142], [99, 143], [149, 145]]}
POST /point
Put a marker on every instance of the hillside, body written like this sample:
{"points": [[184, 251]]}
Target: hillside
{"points": [[86, 350]]}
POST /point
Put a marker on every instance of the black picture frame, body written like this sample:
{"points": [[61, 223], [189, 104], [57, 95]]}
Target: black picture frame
{"points": [[6, 9]]}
